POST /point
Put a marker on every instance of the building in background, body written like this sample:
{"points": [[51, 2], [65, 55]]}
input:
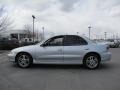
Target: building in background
{"points": [[14, 34], [20, 35]]}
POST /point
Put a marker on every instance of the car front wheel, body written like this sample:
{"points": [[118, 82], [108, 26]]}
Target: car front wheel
{"points": [[91, 61], [23, 60]]}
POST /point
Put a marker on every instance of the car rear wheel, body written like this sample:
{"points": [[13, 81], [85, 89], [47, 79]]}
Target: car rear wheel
{"points": [[24, 60], [91, 61]]}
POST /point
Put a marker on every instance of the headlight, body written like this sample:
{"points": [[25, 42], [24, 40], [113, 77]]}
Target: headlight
{"points": [[12, 52]]}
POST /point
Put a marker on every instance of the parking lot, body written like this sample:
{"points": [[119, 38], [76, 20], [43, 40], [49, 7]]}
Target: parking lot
{"points": [[60, 77]]}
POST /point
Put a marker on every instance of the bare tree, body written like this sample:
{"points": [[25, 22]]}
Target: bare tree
{"points": [[5, 22], [28, 30]]}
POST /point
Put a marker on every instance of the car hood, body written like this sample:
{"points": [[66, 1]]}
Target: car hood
{"points": [[25, 48]]}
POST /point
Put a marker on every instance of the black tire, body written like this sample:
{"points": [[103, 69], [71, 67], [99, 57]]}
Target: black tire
{"points": [[96, 61], [21, 63]]}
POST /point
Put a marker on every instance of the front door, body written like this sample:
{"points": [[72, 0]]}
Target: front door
{"points": [[51, 50]]}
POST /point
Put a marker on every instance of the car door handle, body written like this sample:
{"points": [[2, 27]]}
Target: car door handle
{"points": [[87, 49]]}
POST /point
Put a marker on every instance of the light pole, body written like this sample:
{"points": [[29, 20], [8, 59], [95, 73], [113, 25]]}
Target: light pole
{"points": [[89, 30], [43, 32], [105, 35], [33, 26]]}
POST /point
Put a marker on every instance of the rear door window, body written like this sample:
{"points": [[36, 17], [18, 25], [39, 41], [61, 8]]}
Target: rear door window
{"points": [[73, 40]]}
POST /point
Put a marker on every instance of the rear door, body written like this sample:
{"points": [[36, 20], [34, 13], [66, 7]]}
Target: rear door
{"points": [[73, 48]]}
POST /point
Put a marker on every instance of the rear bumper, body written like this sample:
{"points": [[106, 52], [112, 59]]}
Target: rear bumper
{"points": [[105, 56]]}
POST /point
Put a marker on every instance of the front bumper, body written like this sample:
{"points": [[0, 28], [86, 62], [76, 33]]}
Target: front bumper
{"points": [[11, 57], [105, 56]]}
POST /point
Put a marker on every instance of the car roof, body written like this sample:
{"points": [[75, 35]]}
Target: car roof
{"points": [[82, 36], [69, 35]]}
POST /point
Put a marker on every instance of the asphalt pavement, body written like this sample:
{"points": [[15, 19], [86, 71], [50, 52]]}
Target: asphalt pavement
{"points": [[60, 77]]}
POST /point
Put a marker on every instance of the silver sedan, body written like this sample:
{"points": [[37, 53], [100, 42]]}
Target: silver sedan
{"points": [[62, 49]]}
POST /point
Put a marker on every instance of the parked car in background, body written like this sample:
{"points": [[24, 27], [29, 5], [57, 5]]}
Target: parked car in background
{"points": [[62, 49], [28, 41], [110, 42], [6, 44], [113, 43]]}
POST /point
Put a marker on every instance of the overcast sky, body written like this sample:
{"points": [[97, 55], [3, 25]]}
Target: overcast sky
{"points": [[67, 16]]}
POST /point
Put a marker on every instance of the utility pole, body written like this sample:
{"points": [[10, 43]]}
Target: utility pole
{"points": [[105, 35], [89, 31], [43, 32], [33, 26]]}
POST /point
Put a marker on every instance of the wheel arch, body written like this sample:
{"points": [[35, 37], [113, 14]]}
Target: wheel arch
{"points": [[22, 52], [89, 53]]}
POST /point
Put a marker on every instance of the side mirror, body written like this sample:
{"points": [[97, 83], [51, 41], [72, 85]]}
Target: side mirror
{"points": [[43, 45]]}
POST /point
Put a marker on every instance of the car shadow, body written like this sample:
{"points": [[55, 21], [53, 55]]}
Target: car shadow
{"points": [[54, 66], [80, 67], [105, 66]]}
